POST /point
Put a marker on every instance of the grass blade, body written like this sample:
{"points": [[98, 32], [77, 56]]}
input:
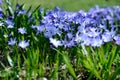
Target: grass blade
{"points": [[10, 60], [115, 74], [69, 66]]}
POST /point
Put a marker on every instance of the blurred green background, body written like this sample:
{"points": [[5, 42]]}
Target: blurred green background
{"points": [[69, 5]]}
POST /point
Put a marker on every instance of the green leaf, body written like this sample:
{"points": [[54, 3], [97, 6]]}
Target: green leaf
{"points": [[10, 60], [69, 66], [10, 10], [29, 9], [111, 57], [34, 10], [2, 65], [101, 55], [9, 7], [114, 75], [84, 51]]}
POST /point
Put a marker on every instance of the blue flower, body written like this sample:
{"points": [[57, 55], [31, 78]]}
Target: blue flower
{"points": [[18, 5], [93, 32], [70, 35], [23, 44], [12, 41], [83, 39], [1, 13], [9, 22], [96, 42], [51, 31], [69, 43], [42, 10], [21, 12], [0, 2], [56, 9], [86, 41], [1, 24], [40, 29], [10, 26], [22, 30], [117, 39], [107, 36]]}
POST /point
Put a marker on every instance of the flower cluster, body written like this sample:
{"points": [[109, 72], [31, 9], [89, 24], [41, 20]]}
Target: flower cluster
{"points": [[13, 28], [93, 28], [62, 28]]}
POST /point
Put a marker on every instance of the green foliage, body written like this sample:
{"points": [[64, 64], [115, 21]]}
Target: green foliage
{"points": [[40, 60], [68, 64], [99, 61], [66, 4]]}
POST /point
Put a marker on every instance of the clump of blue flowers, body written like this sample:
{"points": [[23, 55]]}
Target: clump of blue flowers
{"points": [[95, 27], [29, 38]]}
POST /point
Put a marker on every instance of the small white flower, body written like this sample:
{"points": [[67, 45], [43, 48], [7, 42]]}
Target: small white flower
{"points": [[1, 24], [23, 44], [55, 42], [22, 30], [12, 41], [5, 35], [10, 26]]}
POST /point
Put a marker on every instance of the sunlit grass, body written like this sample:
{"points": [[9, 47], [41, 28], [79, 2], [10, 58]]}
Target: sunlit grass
{"points": [[70, 5]]}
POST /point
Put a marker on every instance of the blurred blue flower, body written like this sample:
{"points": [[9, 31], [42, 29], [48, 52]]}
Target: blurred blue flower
{"points": [[34, 26], [83, 39], [107, 36], [40, 29], [18, 5], [93, 32], [87, 41], [1, 13], [87, 21], [0, 2], [96, 42], [70, 35], [10, 26], [12, 41], [20, 12], [42, 10], [23, 44], [102, 26], [56, 9], [68, 43], [117, 39], [1, 23], [22, 30], [50, 31], [9, 22]]}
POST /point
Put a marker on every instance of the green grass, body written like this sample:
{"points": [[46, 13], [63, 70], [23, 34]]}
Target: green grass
{"points": [[70, 5], [39, 60]]}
